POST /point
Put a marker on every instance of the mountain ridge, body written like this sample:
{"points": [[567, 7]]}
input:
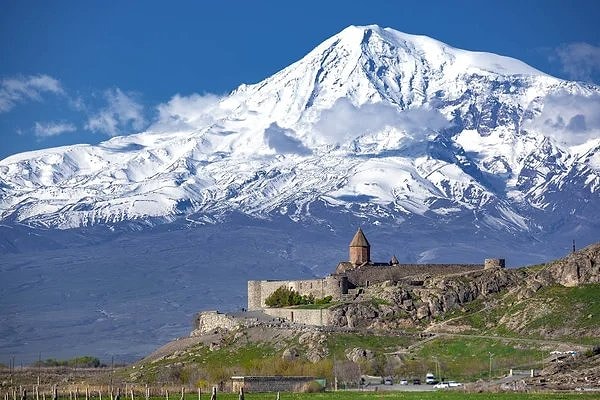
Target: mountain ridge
{"points": [[280, 131]]}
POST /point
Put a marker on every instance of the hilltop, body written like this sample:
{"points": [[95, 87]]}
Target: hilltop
{"points": [[522, 316]]}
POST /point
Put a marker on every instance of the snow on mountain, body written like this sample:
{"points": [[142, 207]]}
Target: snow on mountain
{"points": [[372, 119], [441, 154]]}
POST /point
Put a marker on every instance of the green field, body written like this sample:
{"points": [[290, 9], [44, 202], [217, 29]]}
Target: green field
{"points": [[437, 395], [467, 358]]}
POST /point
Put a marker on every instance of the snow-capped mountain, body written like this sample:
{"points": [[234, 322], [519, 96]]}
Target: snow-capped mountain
{"points": [[440, 154], [372, 119]]}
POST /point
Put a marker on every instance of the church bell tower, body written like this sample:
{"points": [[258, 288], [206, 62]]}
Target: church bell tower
{"points": [[360, 249]]}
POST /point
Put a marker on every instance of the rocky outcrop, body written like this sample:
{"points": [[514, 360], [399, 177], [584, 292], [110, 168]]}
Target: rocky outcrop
{"points": [[576, 269], [290, 354], [397, 303], [358, 355], [315, 344]]}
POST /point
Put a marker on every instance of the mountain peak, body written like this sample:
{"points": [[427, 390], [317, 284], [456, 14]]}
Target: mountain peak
{"points": [[370, 64], [347, 125]]}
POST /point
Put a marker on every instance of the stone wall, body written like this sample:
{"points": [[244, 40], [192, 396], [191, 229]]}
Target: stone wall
{"points": [[259, 291], [370, 274], [494, 263], [301, 316], [254, 295], [208, 321], [258, 384]]}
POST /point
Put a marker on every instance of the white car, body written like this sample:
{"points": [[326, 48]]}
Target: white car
{"points": [[441, 385], [454, 384], [404, 382]]}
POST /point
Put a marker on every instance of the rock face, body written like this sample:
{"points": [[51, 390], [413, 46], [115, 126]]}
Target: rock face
{"points": [[314, 342], [400, 303], [404, 303], [576, 269]]}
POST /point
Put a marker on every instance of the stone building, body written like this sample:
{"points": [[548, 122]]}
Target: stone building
{"points": [[358, 272], [360, 249]]}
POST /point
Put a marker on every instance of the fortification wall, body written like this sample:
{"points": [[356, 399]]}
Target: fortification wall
{"points": [[254, 295], [301, 316], [208, 321], [258, 291], [494, 263], [370, 274]]}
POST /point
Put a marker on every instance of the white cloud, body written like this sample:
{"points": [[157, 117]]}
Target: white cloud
{"points": [[121, 114], [47, 129], [21, 89], [187, 112], [568, 118], [344, 121], [283, 141], [580, 61]]}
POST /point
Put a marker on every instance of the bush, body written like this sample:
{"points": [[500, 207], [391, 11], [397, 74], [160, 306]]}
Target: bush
{"points": [[286, 297], [324, 300]]}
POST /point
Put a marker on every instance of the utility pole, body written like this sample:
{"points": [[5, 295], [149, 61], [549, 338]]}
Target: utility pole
{"points": [[491, 356], [437, 368]]}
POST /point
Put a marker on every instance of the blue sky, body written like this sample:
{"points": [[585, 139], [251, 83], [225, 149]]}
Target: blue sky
{"points": [[83, 71]]}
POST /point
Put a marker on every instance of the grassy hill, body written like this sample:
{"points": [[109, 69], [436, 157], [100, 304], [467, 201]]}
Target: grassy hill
{"points": [[515, 319]]}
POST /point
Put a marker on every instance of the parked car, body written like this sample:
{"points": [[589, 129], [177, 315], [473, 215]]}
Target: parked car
{"points": [[416, 381], [430, 379], [442, 385], [454, 384], [404, 382], [388, 381]]}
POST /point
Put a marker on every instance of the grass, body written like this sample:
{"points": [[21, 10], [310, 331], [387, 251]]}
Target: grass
{"points": [[437, 395], [554, 308], [462, 358], [581, 304]]}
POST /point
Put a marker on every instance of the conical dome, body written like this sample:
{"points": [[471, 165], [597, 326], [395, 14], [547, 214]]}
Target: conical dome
{"points": [[360, 249], [359, 240]]}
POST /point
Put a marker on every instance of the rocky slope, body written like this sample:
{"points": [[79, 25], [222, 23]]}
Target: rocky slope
{"points": [[527, 301], [394, 329], [373, 122]]}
